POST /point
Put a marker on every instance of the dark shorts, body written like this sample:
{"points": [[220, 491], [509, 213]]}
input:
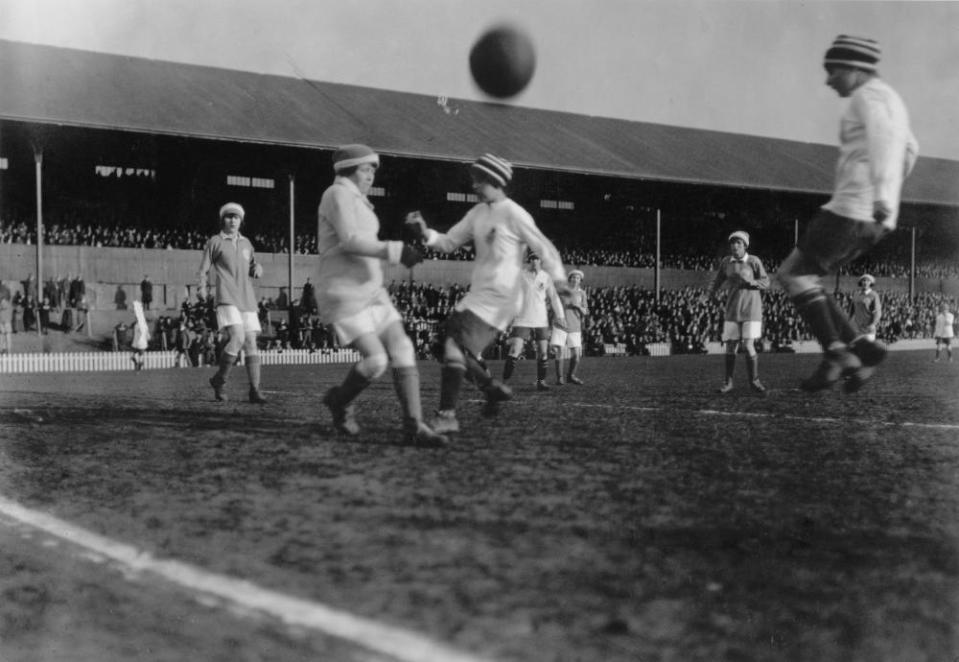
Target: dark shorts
{"points": [[527, 332], [944, 341], [831, 241], [470, 332]]}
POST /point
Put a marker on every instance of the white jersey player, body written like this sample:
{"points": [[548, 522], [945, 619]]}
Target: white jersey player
{"points": [[501, 232], [533, 320]]}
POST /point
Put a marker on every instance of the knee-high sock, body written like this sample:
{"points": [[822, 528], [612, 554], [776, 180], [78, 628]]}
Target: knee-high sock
{"points": [[253, 371], [730, 366], [451, 379], [814, 307], [225, 364], [752, 366], [406, 381], [560, 368], [573, 364], [542, 367], [352, 386], [509, 366], [476, 370], [844, 327]]}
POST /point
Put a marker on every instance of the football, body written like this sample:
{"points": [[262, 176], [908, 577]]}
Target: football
{"points": [[502, 61]]}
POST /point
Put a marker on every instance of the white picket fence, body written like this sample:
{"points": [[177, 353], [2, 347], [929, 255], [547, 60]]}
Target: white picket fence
{"points": [[101, 361]]}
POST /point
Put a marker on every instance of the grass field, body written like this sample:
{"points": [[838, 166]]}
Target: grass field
{"points": [[640, 517]]}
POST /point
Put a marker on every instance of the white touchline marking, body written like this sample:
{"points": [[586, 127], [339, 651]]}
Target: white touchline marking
{"points": [[395, 642], [791, 417], [753, 414]]}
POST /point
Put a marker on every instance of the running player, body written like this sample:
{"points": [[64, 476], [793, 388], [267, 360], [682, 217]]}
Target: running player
{"points": [[501, 232], [877, 151], [351, 296]]}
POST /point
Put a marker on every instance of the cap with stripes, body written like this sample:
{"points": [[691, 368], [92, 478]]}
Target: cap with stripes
{"points": [[498, 170], [857, 52]]}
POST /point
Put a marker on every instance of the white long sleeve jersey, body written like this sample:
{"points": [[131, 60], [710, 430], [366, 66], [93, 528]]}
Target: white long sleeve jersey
{"points": [[501, 232], [944, 326], [876, 153], [537, 289]]}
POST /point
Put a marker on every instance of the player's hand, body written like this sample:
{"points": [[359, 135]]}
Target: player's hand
{"points": [[410, 256], [256, 270], [880, 211], [415, 226]]}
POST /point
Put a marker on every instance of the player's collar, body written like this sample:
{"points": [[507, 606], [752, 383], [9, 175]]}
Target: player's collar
{"points": [[353, 188]]}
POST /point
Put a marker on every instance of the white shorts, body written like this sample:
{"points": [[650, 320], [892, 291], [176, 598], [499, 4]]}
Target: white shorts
{"points": [[375, 319], [561, 338], [230, 315], [742, 330]]}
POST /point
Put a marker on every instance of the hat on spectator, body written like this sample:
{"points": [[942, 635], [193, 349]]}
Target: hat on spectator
{"points": [[231, 208], [857, 52], [866, 278], [348, 156], [742, 236], [498, 170], [574, 272]]}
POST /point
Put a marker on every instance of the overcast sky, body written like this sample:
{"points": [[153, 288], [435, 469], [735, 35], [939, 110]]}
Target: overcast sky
{"points": [[746, 67]]}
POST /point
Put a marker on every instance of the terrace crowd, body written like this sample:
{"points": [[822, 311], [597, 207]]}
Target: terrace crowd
{"points": [[619, 246]]}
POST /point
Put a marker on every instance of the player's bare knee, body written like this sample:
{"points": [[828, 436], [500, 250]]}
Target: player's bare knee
{"points": [[249, 345], [453, 356], [402, 353], [373, 366]]}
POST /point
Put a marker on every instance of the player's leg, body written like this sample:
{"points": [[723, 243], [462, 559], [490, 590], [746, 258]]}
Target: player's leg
{"points": [[574, 342], [466, 338], [731, 337], [406, 381], [575, 354], [542, 358], [750, 334], [252, 352], [557, 340], [515, 345], [228, 319], [371, 366], [829, 242]]}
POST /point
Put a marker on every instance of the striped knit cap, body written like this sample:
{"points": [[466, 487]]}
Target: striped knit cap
{"points": [[498, 170], [855, 52], [348, 156]]}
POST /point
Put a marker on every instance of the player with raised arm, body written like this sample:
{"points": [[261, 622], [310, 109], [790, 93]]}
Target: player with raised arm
{"points": [[230, 255], [532, 321], [351, 296], [877, 152], [570, 336], [501, 232], [745, 278]]}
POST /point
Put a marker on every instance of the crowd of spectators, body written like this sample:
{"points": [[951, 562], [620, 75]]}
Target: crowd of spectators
{"points": [[619, 245], [626, 317]]}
